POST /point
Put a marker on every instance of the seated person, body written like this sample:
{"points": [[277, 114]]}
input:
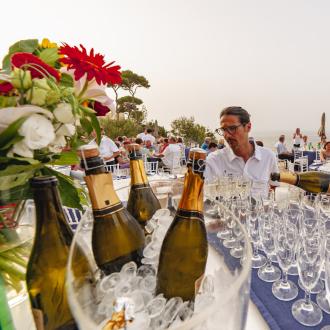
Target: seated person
{"points": [[282, 151], [145, 152], [171, 156], [212, 147], [325, 152], [205, 145], [221, 143]]}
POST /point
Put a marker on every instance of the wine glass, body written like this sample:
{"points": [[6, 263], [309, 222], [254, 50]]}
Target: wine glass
{"points": [[267, 223], [310, 257], [254, 212], [286, 239], [323, 298]]}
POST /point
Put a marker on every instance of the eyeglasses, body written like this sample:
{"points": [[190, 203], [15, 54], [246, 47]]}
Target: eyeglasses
{"points": [[230, 129]]}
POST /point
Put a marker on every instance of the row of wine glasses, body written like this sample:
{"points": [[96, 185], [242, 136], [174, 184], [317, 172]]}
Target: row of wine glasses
{"points": [[293, 232]]}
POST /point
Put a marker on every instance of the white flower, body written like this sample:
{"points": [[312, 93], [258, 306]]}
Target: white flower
{"points": [[63, 113], [57, 144], [66, 130], [10, 114], [38, 132]]}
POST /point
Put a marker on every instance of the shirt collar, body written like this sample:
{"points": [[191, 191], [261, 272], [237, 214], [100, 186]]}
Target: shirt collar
{"points": [[256, 154]]}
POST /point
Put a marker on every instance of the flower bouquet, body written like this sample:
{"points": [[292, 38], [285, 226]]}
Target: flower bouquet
{"points": [[49, 101]]}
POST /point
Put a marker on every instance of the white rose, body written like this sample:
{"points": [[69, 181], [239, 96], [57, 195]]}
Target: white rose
{"points": [[58, 144], [66, 130], [38, 132], [63, 113]]}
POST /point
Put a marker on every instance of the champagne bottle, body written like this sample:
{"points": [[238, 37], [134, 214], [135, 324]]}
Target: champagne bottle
{"points": [[142, 202], [46, 268], [184, 250], [313, 182], [117, 237]]}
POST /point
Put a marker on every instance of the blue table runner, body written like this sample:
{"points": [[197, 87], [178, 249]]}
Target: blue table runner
{"points": [[276, 313]]}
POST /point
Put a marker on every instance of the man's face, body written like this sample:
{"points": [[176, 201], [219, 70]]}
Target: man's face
{"points": [[236, 134]]}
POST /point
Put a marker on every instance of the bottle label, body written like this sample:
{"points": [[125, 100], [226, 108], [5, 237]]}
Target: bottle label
{"points": [[101, 191], [107, 210], [190, 214], [198, 283], [38, 318]]}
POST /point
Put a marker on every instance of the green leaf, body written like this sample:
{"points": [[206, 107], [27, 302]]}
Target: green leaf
{"points": [[67, 158], [6, 63], [17, 175], [86, 125], [87, 110], [27, 46], [49, 55], [9, 135], [96, 127], [66, 80], [68, 191]]}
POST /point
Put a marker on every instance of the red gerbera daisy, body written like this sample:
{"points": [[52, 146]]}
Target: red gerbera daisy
{"points": [[91, 64], [101, 110], [34, 64]]}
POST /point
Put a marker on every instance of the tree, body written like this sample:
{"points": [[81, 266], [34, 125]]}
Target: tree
{"points": [[128, 104], [158, 130], [132, 81], [189, 130], [120, 127]]}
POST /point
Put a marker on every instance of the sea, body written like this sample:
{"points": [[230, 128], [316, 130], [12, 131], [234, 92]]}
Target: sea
{"points": [[269, 138]]}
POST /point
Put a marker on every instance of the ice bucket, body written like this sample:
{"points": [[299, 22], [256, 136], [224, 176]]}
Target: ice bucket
{"points": [[231, 275]]}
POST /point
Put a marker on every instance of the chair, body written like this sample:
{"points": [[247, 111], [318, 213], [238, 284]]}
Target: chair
{"points": [[300, 161], [317, 155], [151, 168], [73, 217], [114, 169]]}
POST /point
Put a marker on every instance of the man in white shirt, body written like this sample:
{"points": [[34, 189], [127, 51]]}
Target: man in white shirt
{"points": [[142, 134], [108, 149], [149, 137], [171, 156], [282, 151], [243, 158]]}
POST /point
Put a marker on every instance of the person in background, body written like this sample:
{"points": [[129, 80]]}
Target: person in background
{"points": [[297, 137], [142, 134], [282, 151], [260, 143], [221, 143], [145, 151], [108, 149], [212, 147], [171, 156], [325, 152], [242, 158], [205, 145], [149, 137], [163, 146]]}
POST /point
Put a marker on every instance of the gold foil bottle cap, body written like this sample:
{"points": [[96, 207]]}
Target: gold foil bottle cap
{"points": [[88, 151], [197, 153]]}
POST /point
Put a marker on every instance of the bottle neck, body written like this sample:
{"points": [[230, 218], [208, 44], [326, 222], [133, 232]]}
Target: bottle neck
{"points": [[192, 196], [138, 173], [49, 213]]}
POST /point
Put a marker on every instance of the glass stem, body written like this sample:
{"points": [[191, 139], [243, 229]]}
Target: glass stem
{"points": [[307, 297], [284, 277], [255, 250]]}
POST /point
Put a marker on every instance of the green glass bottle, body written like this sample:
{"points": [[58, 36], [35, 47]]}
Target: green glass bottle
{"points": [[117, 237], [46, 268], [184, 250], [313, 182], [142, 202]]}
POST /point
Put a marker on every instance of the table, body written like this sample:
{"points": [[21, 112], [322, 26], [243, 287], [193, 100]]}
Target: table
{"points": [[311, 155]]}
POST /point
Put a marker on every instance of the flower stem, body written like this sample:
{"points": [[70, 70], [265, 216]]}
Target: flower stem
{"points": [[83, 89]]}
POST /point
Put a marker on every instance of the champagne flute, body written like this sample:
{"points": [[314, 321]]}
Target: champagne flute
{"points": [[310, 257]]}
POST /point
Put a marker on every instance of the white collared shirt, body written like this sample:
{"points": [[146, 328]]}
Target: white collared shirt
{"points": [[257, 168], [107, 147]]}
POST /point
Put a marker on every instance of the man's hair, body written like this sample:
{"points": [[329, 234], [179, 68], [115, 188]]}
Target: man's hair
{"points": [[172, 139], [149, 130], [281, 138], [138, 141], [260, 143], [242, 114], [120, 139], [213, 145]]}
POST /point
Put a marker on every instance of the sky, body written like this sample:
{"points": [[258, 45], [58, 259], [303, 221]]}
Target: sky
{"points": [[271, 57]]}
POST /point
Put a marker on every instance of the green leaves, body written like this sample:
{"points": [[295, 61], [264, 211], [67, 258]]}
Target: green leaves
{"points": [[70, 194], [67, 158], [7, 101], [10, 135], [27, 46], [66, 80], [49, 55]]}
